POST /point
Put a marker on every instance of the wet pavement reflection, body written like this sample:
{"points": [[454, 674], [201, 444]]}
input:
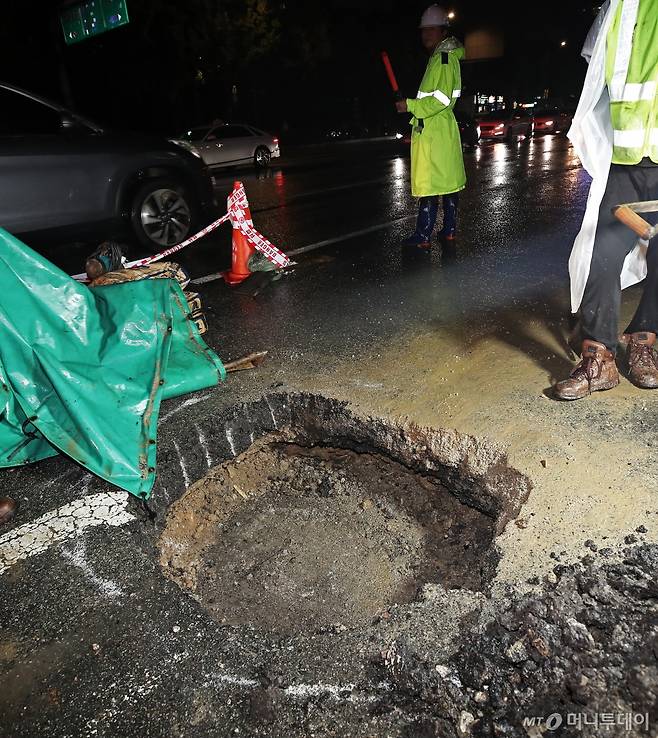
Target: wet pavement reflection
{"points": [[517, 218]]}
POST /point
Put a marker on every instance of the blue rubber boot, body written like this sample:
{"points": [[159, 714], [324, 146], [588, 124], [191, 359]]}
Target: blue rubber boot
{"points": [[449, 230], [427, 211]]}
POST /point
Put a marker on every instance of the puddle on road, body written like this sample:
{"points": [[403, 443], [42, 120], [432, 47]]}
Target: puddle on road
{"points": [[295, 535]]}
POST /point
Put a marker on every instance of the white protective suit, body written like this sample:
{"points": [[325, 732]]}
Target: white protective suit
{"points": [[591, 135]]}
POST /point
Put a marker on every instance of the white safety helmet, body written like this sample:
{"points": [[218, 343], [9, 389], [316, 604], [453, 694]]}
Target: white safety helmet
{"points": [[434, 16]]}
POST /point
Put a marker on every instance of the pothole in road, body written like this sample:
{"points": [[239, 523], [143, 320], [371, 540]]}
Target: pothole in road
{"points": [[319, 523]]}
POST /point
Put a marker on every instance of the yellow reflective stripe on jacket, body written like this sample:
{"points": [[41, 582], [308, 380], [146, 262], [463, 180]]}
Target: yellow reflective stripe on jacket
{"points": [[632, 77], [438, 94], [629, 139], [635, 91], [622, 32]]}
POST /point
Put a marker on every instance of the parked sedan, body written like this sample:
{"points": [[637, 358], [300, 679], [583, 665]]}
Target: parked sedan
{"points": [[230, 144], [64, 178], [506, 125], [551, 121]]}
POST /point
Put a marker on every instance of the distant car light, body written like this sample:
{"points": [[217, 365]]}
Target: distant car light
{"points": [[548, 123], [399, 136]]}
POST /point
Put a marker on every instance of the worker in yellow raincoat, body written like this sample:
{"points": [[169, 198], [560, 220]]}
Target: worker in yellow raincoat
{"points": [[437, 164]]}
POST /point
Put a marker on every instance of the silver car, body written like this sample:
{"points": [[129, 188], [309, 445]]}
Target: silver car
{"points": [[230, 144], [64, 178]]}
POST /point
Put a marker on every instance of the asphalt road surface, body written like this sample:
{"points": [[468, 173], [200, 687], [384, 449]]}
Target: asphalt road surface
{"points": [[425, 364]]}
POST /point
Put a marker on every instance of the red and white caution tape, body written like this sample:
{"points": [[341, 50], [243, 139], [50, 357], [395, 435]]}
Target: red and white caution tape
{"points": [[237, 204], [168, 252]]}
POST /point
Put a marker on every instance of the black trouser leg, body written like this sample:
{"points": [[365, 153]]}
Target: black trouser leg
{"points": [[646, 315], [613, 242]]}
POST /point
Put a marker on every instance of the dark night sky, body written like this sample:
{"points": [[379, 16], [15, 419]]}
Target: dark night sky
{"points": [[306, 67]]}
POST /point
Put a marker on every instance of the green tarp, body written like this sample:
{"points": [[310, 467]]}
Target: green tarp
{"points": [[83, 371]]}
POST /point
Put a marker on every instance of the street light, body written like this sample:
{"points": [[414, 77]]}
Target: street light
{"points": [[451, 15], [563, 43]]}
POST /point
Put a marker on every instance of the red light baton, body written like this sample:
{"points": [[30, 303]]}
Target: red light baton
{"points": [[391, 76]]}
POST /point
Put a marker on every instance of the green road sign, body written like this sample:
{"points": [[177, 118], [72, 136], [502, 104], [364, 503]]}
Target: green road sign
{"points": [[90, 18]]}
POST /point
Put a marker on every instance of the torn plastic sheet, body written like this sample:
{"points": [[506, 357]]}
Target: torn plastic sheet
{"points": [[83, 372]]}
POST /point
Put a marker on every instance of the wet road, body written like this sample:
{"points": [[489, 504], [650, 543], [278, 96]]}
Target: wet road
{"points": [[99, 643], [340, 194], [359, 203], [354, 285], [342, 211]]}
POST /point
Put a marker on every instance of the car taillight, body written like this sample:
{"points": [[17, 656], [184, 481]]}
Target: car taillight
{"points": [[276, 141]]}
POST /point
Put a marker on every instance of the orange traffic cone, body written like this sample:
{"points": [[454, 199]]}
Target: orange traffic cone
{"points": [[241, 251]]}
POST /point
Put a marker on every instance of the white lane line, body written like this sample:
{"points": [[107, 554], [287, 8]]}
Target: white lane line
{"points": [[251, 428], [338, 188], [78, 558], [231, 442], [338, 692], [208, 278], [183, 468], [204, 446], [183, 405], [347, 236], [267, 400], [68, 473], [62, 524], [233, 681], [320, 244], [315, 690], [138, 688]]}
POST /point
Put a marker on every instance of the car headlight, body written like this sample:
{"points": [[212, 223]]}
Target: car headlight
{"points": [[186, 145]]}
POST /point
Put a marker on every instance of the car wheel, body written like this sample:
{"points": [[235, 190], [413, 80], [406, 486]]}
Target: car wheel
{"points": [[162, 214], [262, 157]]}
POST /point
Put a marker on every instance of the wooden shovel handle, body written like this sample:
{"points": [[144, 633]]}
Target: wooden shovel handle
{"points": [[251, 361], [634, 221]]}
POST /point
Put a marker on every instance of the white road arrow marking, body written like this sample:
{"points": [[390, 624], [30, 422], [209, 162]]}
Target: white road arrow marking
{"points": [[62, 524]]}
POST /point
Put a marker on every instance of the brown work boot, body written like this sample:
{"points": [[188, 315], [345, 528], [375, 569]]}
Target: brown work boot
{"points": [[596, 371], [642, 362], [7, 509]]}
